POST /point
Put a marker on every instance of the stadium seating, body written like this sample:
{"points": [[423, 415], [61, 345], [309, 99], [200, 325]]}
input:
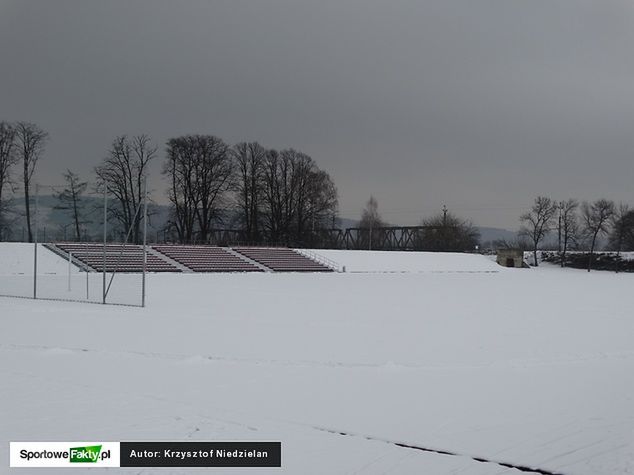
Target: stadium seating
{"points": [[282, 259], [119, 257], [179, 258], [206, 258]]}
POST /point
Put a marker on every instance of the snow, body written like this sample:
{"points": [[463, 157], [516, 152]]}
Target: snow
{"points": [[16, 277], [398, 262], [450, 352], [17, 259]]}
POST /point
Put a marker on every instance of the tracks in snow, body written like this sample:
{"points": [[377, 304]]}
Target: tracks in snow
{"points": [[515, 364], [521, 468], [186, 358]]}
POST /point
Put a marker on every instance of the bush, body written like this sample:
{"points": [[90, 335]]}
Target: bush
{"points": [[600, 261]]}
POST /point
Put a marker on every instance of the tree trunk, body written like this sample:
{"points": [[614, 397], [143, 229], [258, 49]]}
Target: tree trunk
{"points": [[594, 238], [28, 212], [76, 216]]}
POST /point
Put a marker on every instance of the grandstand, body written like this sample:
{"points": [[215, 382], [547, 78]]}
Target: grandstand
{"points": [[186, 258], [207, 258], [119, 257], [281, 259]]}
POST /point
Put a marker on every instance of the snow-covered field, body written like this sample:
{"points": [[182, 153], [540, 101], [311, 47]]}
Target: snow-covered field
{"points": [[446, 352]]}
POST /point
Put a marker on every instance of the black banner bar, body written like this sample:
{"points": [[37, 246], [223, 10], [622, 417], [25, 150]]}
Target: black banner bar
{"points": [[201, 454]]}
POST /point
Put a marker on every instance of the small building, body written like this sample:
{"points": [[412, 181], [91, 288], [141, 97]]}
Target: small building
{"points": [[510, 258]]}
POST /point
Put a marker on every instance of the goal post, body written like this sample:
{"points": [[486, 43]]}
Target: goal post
{"points": [[52, 267]]}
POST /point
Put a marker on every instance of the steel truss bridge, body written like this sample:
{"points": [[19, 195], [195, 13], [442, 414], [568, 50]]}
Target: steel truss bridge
{"points": [[390, 238]]}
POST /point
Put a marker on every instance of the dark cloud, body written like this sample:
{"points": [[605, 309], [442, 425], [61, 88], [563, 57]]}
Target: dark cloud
{"points": [[480, 105]]}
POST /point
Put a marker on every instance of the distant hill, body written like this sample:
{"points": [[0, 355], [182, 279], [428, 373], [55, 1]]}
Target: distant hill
{"points": [[344, 223], [54, 221], [495, 234], [53, 224]]}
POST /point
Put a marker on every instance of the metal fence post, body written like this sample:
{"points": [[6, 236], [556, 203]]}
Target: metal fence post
{"points": [[37, 192]]}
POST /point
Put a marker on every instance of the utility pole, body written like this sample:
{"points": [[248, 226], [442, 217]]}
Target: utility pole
{"points": [[561, 207], [312, 224], [70, 266], [105, 233], [144, 242], [37, 199]]}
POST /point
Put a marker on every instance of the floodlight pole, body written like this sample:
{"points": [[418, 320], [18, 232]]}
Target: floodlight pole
{"points": [[37, 193], [144, 242], [105, 232], [70, 261]]}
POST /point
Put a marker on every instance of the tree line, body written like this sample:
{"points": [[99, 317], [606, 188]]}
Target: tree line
{"points": [[21, 143], [275, 196], [578, 225], [269, 195]]}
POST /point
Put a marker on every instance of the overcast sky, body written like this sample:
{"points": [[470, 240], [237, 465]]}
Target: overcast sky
{"points": [[479, 105]]}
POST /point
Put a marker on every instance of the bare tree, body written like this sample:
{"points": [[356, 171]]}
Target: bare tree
{"points": [[446, 232], [280, 196], [299, 199], [179, 169], [200, 170], [250, 161], [281, 176], [538, 222], [370, 216], [371, 219], [302, 167], [622, 235], [322, 200], [596, 221], [124, 171], [8, 158], [568, 226], [31, 141], [273, 202], [70, 199], [280, 200], [214, 172]]}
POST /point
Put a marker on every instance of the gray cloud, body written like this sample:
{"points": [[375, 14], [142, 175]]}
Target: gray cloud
{"points": [[480, 105]]}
